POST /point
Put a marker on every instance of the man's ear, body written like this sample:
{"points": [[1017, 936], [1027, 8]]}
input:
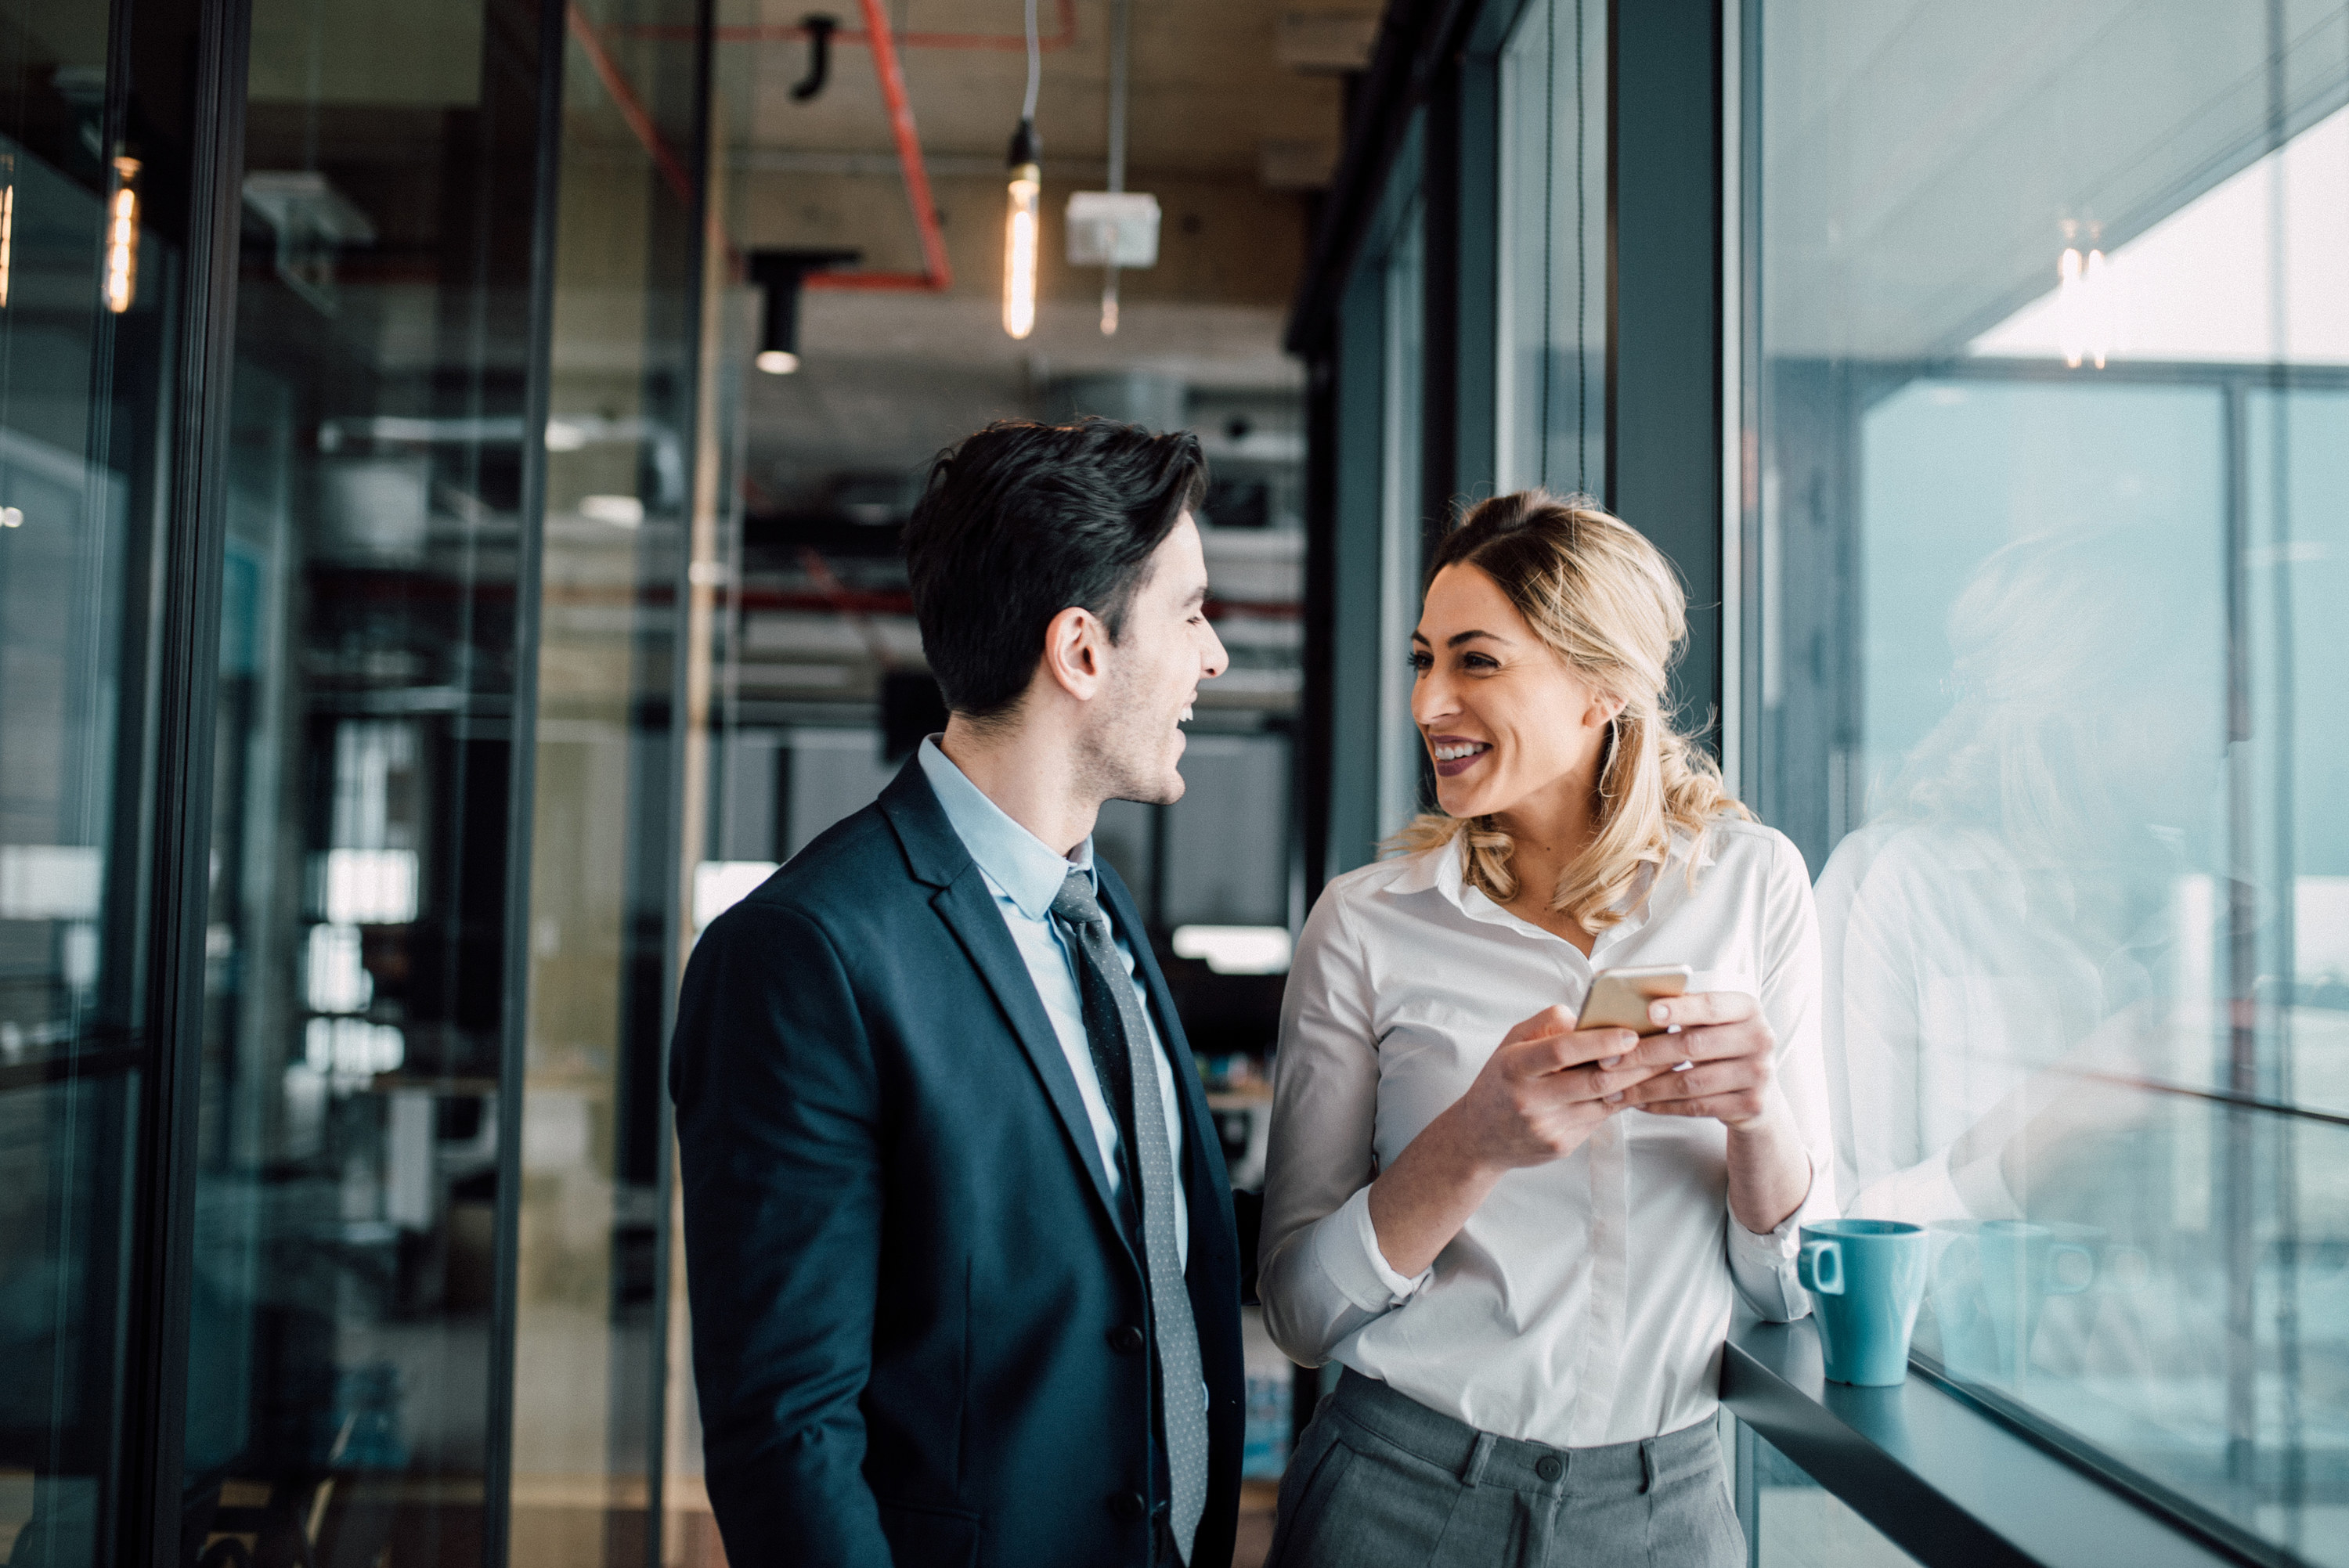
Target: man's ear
{"points": [[1075, 643]]}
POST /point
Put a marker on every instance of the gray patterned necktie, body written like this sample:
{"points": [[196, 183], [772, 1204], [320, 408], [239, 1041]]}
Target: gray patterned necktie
{"points": [[1120, 1047]]}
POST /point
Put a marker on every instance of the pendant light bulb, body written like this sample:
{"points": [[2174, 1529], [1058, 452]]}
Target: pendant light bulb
{"points": [[123, 237], [1021, 234]]}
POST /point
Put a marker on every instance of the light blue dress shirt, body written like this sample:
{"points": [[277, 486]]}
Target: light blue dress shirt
{"points": [[1025, 875]]}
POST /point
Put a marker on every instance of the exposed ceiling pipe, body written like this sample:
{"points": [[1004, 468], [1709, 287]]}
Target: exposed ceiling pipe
{"points": [[632, 108], [779, 33], [937, 275]]}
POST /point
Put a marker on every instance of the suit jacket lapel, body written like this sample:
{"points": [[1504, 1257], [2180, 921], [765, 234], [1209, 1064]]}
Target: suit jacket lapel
{"points": [[935, 855]]}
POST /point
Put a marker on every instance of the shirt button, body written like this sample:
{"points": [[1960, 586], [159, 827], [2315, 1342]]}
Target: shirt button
{"points": [[1128, 1506], [1549, 1467], [1126, 1337]]}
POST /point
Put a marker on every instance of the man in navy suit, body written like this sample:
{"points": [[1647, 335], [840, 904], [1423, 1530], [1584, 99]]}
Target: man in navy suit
{"points": [[960, 1238]]}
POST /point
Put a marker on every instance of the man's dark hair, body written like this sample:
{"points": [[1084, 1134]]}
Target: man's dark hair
{"points": [[1019, 522]]}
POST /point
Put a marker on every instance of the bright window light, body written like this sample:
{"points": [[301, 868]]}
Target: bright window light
{"points": [[50, 882], [719, 885], [370, 887], [1235, 949], [620, 510]]}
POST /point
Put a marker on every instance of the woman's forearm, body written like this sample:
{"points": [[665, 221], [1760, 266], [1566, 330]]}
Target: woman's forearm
{"points": [[1419, 1203], [1769, 1169]]}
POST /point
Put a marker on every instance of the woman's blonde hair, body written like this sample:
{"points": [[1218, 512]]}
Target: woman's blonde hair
{"points": [[1608, 603]]}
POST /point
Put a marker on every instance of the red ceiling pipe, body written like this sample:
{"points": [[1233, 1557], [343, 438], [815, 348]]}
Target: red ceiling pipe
{"points": [[780, 33], [935, 276], [632, 108]]}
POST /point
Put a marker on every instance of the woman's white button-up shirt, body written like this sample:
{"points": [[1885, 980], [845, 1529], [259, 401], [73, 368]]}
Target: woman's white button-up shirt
{"points": [[1586, 1300]]}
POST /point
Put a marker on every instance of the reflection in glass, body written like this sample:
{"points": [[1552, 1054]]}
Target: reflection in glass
{"points": [[85, 487], [618, 608], [2050, 620], [1794, 1522], [340, 1372], [1550, 381]]}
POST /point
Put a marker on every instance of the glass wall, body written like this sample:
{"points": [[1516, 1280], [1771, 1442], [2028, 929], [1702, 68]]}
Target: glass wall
{"points": [[1381, 375], [425, 1320], [625, 590], [2047, 422], [345, 1394], [95, 203], [1550, 359]]}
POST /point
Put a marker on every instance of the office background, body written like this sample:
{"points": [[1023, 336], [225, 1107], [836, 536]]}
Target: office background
{"points": [[420, 611]]}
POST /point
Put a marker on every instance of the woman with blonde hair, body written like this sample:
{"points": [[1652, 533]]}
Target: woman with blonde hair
{"points": [[1522, 1239]]}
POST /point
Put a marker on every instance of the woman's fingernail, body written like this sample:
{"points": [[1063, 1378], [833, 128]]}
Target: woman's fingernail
{"points": [[1616, 1096], [1659, 1013], [1609, 1062]]}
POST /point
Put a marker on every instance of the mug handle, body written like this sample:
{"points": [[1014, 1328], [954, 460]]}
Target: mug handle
{"points": [[1819, 1265], [2056, 1284]]}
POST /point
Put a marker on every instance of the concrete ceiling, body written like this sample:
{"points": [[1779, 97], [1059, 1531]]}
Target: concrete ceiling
{"points": [[888, 379]]}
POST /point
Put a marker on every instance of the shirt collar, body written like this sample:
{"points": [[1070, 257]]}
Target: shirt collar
{"points": [[1028, 871], [1445, 870]]}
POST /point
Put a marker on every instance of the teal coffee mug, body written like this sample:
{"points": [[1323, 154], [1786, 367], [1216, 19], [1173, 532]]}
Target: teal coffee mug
{"points": [[1866, 1278]]}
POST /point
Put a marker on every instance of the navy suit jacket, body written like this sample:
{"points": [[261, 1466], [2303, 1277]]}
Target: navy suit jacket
{"points": [[912, 1298]]}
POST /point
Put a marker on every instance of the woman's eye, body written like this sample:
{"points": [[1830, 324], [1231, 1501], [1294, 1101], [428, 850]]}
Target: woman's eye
{"points": [[1480, 662], [1419, 661]]}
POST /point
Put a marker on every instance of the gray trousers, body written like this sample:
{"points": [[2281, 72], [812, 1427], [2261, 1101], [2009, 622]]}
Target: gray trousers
{"points": [[1380, 1480]]}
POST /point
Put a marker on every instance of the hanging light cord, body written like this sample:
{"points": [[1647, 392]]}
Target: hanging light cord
{"points": [[1035, 66], [1116, 91]]}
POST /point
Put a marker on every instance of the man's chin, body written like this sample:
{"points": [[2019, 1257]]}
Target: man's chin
{"points": [[1163, 790]]}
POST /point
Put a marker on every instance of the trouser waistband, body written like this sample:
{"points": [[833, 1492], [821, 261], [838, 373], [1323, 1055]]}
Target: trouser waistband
{"points": [[1487, 1458]]}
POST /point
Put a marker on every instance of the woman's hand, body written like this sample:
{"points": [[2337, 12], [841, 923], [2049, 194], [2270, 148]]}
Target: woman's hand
{"points": [[1541, 1095], [1731, 1056], [1732, 1077], [1537, 1097]]}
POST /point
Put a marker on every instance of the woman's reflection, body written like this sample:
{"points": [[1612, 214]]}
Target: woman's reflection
{"points": [[2018, 935]]}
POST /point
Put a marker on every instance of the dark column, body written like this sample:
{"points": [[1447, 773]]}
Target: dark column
{"points": [[1664, 283]]}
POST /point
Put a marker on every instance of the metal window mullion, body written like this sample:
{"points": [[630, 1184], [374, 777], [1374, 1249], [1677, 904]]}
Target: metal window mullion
{"points": [[696, 407], [198, 355], [497, 1467]]}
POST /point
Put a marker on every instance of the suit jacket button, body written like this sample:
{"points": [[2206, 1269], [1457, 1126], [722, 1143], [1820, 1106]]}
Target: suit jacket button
{"points": [[1128, 1506], [1126, 1337]]}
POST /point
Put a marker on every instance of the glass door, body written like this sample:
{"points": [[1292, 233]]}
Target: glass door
{"points": [[347, 1391]]}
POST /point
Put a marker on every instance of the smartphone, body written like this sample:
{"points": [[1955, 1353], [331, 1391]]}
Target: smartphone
{"points": [[1618, 997]]}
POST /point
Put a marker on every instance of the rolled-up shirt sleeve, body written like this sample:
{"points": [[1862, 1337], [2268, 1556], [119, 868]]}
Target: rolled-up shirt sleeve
{"points": [[1320, 1274], [1762, 1264]]}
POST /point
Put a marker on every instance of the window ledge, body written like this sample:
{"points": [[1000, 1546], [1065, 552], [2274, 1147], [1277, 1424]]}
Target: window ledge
{"points": [[1944, 1481]]}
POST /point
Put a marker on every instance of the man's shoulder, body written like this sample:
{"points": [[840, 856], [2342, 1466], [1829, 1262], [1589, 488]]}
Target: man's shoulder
{"points": [[846, 873]]}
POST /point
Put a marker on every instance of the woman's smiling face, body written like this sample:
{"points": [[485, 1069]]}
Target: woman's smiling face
{"points": [[1505, 718]]}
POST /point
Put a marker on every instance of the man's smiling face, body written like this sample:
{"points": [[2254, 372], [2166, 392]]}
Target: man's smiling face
{"points": [[1164, 650]]}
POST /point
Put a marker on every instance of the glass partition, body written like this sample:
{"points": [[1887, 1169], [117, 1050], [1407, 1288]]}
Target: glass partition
{"points": [[2048, 427], [1550, 360], [622, 680], [343, 1390], [88, 299], [1793, 1521]]}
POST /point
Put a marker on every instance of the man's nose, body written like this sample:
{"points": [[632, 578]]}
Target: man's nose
{"points": [[1217, 660]]}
